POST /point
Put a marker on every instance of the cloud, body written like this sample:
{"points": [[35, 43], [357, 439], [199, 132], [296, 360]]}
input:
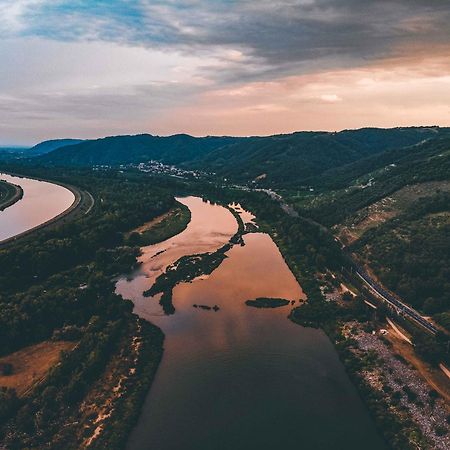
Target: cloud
{"points": [[272, 36], [330, 98], [92, 67], [384, 95]]}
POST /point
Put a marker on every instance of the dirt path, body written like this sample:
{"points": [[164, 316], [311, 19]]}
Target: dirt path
{"points": [[445, 370], [434, 377], [397, 330], [148, 225]]}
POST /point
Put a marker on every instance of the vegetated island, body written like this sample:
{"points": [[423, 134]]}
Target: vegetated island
{"points": [[189, 267], [9, 194], [265, 302]]}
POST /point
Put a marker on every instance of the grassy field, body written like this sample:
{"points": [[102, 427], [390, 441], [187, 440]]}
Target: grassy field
{"points": [[162, 227], [32, 363]]}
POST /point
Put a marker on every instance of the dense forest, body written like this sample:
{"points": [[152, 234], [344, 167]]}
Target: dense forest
{"points": [[411, 253], [280, 160], [342, 192], [58, 285], [117, 150]]}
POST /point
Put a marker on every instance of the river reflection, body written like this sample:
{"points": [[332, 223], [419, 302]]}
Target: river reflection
{"points": [[241, 377], [41, 202]]}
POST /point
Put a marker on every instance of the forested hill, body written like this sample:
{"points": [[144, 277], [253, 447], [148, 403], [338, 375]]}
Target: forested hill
{"points": [[278, 159], [425, 160], [49, 146], [355, 186], [115, 150], [294, 157]]}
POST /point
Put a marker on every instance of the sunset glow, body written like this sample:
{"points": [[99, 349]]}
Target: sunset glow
{"points": [[89, 69]]}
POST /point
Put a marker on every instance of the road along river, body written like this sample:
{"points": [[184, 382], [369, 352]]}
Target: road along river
{"points": [[41, 202], [240, 377]]}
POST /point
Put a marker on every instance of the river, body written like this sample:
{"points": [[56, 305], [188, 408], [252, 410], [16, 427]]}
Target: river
{"points": [[241, 377], [41, 202]]}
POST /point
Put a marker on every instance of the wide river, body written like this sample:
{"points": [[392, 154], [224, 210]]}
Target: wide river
{"points": [[41, 202], [241, 377]]}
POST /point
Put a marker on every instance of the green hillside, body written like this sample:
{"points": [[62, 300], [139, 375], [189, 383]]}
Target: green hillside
{"points": [[342, 192], [294, 158], [273, 160], [132, 149], [49, 146], [393, 211]]}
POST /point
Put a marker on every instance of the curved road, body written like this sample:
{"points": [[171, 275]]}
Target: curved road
{"points": [[82, 204]]}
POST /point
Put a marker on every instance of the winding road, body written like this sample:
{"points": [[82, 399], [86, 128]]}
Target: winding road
{"points": [[45, 203]]}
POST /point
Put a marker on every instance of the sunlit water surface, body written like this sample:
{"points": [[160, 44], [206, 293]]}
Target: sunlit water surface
{"points": [[241, 377], [41, 202]]}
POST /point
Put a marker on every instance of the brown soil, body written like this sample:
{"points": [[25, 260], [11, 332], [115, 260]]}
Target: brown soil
{"points": [[31, 364], [148, 225], [436, 379]]}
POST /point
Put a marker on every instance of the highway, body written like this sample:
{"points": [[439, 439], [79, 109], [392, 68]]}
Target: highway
{"points": [[401, 307]]}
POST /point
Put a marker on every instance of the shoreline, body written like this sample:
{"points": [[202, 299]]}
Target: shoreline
{"points": [[353, 358], [81, 198], [16, 196]]}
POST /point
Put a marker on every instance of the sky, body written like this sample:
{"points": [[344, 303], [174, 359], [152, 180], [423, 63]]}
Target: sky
{"points": [[86, 68]]}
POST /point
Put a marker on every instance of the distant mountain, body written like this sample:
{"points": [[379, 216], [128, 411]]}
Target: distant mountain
{"points": [[428, 159], [49, 146], [358, 185], [12, 153], [14, 149], [293, 158], [116, 150], [280, 159]]}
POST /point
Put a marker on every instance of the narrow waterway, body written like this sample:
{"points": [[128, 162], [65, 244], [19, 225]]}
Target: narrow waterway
{"points": [[241, 377], [41, 202]]}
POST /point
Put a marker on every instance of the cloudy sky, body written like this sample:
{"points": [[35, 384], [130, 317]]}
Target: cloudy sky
{"points": [[86, 68]]}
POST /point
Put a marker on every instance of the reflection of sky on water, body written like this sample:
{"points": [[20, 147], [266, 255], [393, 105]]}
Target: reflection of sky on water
{"points": [[240, 378], [41, 202]]}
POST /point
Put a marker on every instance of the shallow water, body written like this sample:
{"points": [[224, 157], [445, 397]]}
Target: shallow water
{"points": [[241, 377], [41, 202]]}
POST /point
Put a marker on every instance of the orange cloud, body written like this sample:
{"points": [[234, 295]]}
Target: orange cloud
{"points": [[400, 91]]}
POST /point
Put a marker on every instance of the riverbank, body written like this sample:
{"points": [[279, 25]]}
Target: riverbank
{"points": [[204, 351], [82, 205], [9, 194], [161, 228], [58, 285], [395, 411], [112, 407]]}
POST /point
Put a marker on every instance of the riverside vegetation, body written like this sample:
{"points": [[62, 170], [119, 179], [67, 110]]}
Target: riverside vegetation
{"points": [[9, 194], [311, 253], [326, 197], [60, 286], [263, 302]]}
